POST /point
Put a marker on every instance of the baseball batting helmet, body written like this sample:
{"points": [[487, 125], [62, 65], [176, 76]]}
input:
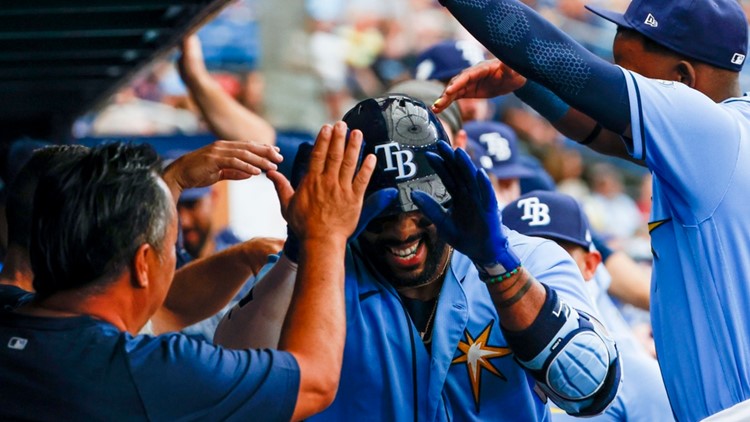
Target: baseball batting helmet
{"points": [[399, 129]]}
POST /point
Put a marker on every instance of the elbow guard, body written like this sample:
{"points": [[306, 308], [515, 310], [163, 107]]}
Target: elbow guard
{"points": [[571, 356]]}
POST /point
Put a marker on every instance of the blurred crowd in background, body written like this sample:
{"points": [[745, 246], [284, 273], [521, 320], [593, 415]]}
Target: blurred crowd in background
{"points": [[304, 64], [298, 64]]}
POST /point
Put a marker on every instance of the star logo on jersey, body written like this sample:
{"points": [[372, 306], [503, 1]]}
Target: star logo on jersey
{"points": [[476, 353]]}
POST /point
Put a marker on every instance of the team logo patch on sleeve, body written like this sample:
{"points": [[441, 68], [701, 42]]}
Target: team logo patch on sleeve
{"points": [[476, 354]]}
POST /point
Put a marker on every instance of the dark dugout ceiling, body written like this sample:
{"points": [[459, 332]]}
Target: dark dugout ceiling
{"points": [[60, 58]]}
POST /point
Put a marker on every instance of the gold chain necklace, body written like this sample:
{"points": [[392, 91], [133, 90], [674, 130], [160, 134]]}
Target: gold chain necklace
{"points": [[426, 335]]}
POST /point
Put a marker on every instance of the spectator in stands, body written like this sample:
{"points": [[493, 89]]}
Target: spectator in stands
{"points": [[612, 211]]}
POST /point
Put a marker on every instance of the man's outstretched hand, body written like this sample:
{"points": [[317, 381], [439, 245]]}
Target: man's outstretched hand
{"points": [[487, 79], [328, 200], [221, 160]]}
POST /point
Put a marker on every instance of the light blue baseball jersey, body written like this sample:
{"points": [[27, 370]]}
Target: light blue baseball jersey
{"points": [[699, 154], [642, 397], [469, 372]]}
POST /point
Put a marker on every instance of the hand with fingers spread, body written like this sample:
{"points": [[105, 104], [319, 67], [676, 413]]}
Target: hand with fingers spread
{"points": [[372, 207], [221, 160], [487, 79], [472, 225], [328, 200]]}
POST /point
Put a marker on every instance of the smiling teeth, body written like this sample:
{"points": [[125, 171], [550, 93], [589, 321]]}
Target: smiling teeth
{"points": [[405, 253]]}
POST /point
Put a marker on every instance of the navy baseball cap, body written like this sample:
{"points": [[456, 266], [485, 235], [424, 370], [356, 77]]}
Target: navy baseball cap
{"points": [[194, 194], [551, 215], [493, 146], [447, 59], [712, 31], [400, 130]]}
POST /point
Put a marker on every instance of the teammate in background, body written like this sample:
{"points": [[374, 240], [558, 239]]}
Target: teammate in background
{"points": [[494, 147], [446, 321], [190, 298], [98, 281], [560, 218], [674, 105], [201, 239]]}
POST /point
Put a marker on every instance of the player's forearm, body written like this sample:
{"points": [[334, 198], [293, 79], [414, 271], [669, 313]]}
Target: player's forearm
{"points": [[518, 300], [256, 321], [570, 354], [315, 328], [584, 130], [203, 287], [226, 117], [170, 178], [538, 50]]}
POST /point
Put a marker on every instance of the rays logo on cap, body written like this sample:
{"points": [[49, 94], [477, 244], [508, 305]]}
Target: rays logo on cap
{"points": [[534, 211], [397, 159], [497, 146]]}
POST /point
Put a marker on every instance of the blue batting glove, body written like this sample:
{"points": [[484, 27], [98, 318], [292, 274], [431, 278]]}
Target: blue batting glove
{"points": [[472, 224]]}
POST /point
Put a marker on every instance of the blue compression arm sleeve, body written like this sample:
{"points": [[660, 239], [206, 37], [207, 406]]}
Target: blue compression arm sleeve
{"points": [[544, 101], [535, 48]]}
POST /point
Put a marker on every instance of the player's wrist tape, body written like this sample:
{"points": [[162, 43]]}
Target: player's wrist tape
{"points": [[544, 101]]}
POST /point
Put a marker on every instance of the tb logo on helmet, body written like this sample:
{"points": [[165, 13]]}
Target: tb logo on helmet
{"points": [[404, 160], [535, 211]]}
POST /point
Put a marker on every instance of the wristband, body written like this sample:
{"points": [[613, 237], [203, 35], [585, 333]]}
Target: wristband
{"points": [[544, 101], [500, 278], [593, 135]]}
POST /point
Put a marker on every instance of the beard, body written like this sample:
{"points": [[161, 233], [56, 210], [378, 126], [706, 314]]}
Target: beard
{"points": [[437, 254], [195, 248]]}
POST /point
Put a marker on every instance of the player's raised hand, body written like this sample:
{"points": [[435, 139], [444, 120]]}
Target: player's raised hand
{"points": [[191, 62], [472, 224], [487, 79], [328, 200], [221, 160]]}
